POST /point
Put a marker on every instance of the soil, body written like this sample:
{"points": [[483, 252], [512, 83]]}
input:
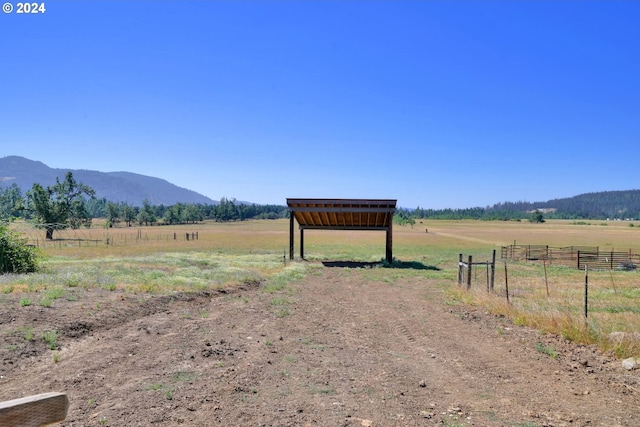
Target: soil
{"points": [[333, 349]]}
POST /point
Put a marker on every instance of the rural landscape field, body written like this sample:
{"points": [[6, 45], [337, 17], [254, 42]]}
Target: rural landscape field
{"points": [[211, 324]]}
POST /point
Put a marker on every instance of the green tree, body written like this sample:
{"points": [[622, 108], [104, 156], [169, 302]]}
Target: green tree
{"points": [[173, 214], [537, 217], [96, 208], [79, 216], [113, 214], [59, 207], [129, 213], [11, 202], [192, 214], [147, 215], [226, 210], [15, 255]]}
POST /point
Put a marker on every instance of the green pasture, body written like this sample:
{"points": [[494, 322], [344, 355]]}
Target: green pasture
{"points": [[148, 260]]}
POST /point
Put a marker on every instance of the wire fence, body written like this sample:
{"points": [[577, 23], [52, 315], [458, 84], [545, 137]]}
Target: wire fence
{"points": [[83, 237], [573, 256]]}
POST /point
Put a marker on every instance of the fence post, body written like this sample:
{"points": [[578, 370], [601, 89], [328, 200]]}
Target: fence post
{"points": [[493, 269], [578, 259], [459, 269], [611, 262], [506, 281], [586, 293], [546, 281], [488, 280], [469, 273]]}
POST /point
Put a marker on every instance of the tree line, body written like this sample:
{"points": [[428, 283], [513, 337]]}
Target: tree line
{"points": [[71, 204], [599, 205], [118, 214]]}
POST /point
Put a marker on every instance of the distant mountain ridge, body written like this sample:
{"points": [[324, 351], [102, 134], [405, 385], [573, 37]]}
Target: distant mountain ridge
{"points": [[622, 204], [613, 205], [127, 187]]}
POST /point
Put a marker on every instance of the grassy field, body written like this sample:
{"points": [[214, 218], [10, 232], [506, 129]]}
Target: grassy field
{"points": [[149, 260]]}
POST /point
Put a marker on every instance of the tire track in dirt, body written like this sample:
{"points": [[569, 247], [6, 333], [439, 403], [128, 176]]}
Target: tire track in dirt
{"points": [[352, 350], [467, 363]]}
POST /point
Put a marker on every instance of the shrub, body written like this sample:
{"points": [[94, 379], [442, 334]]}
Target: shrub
{"points": [[15, 255]]}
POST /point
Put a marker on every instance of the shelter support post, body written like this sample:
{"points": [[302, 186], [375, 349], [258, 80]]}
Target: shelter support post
{"points": [[291, 219], [390, 243], [301, 243]]}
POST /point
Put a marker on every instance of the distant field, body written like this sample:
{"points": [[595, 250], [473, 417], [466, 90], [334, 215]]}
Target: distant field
{"points": [[149, 260], [273, 235]]}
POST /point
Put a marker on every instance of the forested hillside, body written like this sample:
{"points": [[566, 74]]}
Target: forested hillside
{"points": [[128, 197], [600, 205]]}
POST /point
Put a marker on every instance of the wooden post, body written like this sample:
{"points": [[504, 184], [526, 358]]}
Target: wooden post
{"points": [[38, 410], [291, 234], [301, 243], [469, 273], [459, 269], [389, 245]]}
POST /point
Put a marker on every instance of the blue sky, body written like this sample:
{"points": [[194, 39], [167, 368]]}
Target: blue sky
{"points": [[434, 103]]}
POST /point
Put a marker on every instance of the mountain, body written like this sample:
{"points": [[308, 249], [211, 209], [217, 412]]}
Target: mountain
{"points": [[127, 187]]}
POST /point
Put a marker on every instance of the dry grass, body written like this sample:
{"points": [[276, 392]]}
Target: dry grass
{"points": [[235, 237], [230, 253], [612, 303], [608, 235]]}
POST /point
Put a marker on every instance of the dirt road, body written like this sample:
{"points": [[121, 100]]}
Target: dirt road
{"points": [[338, 348]]}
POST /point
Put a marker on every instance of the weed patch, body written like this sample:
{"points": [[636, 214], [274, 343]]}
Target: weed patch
{"points": [[548, 350], [51, 338]]}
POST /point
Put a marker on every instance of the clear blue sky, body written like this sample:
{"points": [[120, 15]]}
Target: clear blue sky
{"points": [[435, 103]]}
